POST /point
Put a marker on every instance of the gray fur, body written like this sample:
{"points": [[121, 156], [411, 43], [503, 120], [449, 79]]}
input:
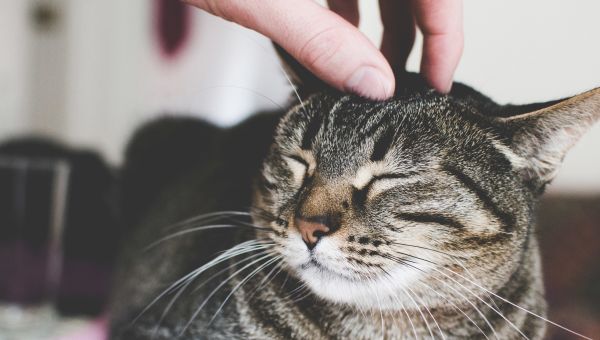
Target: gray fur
{"points": [[458, 210]]}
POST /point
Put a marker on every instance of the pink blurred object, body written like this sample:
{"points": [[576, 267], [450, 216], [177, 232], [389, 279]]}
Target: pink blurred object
{"points": [[95, 330]]}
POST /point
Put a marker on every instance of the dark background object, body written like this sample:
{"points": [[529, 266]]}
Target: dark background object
{"points": [[569, 229], [172, 25], [90, 235]]}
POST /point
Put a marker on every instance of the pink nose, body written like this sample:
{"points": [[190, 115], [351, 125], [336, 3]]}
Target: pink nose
{"points": [[311, 231]]}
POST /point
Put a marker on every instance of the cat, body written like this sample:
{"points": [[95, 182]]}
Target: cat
{"points": [[343, 218]]}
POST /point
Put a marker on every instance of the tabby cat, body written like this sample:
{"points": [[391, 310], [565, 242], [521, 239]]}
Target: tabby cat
{"points": [[344, 218]]}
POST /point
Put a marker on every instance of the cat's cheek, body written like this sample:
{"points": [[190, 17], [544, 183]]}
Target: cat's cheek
{"points": [[294, 251]]}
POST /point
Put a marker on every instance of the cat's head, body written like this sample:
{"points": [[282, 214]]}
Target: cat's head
{"points": [[367, 200]]}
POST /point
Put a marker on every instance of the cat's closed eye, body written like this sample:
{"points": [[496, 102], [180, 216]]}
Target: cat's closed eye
{"points": [[376, 185], [302, 167]]}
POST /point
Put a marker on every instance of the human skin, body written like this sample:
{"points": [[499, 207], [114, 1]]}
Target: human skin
{"points": [[328, 43]]}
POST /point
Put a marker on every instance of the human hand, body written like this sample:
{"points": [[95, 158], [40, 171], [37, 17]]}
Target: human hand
{"points": [[328, 43]]}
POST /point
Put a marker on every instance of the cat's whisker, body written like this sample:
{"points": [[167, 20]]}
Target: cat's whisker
{"points": [[380, 312], [468, 290], [235, 251], [362, 311], [247, 245], [192, 230], [255, 226], [187, 231], [493, 308], [241, 283], [397, 260], [454, 306], [163, 293], [256, 211], [294, 89], [205, 282], [302, 297], [169, 306], [483, 301], [299, 293], [519, 307], [247, 89], [473, 278], [485, 319], [296, 291], [418, 307], [412, 256], [428, 311], [184, 287], [287, 277], [239, 249], [266, 280], [394, 321], [280, 67], [477, 309], [214, 291], [488, 293], [430, 249], [454, 258], [204, 217], [395, 297]]}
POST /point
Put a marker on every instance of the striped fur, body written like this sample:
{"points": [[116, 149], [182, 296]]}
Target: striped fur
{"points": [[433, 202]]}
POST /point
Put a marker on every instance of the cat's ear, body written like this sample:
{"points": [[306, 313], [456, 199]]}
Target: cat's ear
{"points": [[542, 137], [302, 79]]}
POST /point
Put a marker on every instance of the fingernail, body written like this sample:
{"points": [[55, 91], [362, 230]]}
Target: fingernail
{"points": [[369, 82]]}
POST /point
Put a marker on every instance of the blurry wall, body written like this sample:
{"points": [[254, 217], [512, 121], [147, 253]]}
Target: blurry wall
{"points": [[14, 39], [88, 72]]}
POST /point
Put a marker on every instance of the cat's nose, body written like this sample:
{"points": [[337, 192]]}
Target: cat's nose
{"points": [[313, 228]]}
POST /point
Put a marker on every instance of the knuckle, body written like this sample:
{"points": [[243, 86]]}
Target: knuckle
{"points": [[226, 9], [322, 47]]}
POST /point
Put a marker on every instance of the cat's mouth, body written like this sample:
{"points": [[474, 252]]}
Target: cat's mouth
{"points": [[366, 290], [326, 262], [313, 262], [314, 265]]}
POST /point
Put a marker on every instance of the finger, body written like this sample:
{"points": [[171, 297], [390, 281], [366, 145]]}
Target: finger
{"points": [[441, 22], [347, 9], [321, 40], [398, 32]]}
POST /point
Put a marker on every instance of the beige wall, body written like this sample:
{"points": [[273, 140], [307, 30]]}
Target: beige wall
{"points": [[516, 51], [14, 42], [531, 51]]}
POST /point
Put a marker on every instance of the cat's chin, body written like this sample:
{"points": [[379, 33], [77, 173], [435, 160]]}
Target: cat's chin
{"points": [[386, 291], [326, 272]]}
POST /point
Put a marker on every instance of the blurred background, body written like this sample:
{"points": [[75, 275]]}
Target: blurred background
{"points": [[85, 74]]}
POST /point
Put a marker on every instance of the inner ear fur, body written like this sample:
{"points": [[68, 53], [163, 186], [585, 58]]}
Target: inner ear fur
{"points": [[543, 136]]}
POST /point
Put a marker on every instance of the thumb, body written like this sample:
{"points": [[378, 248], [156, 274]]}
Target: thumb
{"points": [[326, 44]]}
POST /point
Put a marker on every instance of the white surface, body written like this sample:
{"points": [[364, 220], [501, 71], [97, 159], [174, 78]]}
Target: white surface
{"points": [[14, 39], [516, 51]]}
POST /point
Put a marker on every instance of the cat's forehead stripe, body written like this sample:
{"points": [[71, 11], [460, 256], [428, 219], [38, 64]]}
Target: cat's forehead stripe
{"points": [[312, 129], [319, 122], [382, 145]]}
